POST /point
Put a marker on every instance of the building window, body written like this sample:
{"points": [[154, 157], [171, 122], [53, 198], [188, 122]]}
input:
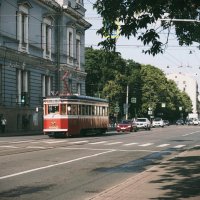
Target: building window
{"points": [[22, 27], [46, 38], [46, 85], [70, 45], [78, 88], [22, 87], [70, 85], [78, 44]]}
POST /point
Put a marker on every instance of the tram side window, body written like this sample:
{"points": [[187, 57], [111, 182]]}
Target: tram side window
{"points": [[89, 109], [103, 111], [63, 109], [93, 110], [100, 110], [53, 109], [106, 111], [79, 109], [97, 113], [72, 109]]}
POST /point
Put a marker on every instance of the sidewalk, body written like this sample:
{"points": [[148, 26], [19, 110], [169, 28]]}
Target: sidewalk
{"points": [[176, 178], [22, 133]]}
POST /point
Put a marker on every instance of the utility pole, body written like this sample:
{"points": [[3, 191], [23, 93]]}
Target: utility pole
{"points": [[127, 90]]}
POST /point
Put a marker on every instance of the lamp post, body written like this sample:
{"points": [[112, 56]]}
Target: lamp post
{"points": [[163, 105], [180, 109]]}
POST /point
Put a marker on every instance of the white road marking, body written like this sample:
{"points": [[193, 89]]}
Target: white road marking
{"points": [[191, 133], [122, 150], [163, 145], [102, 142], [54, 141], [13, 147], [113, 143], [79, 142], [179, 146], [129, 144], [54, 165], [35, 147], [22, 141], [145, 145]]}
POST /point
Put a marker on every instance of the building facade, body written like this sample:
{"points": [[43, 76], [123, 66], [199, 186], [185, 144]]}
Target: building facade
{"points": [[41, 54], [187, 84]]}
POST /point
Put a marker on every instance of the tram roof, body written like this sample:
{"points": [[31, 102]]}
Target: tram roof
{"points": [[77, 97]]}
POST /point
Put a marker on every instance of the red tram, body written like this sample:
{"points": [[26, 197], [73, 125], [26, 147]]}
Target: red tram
{"points": [[74, 115]]}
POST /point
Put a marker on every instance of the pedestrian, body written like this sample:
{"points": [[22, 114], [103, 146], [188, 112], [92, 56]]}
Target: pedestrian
{"points": [[3, 124]]}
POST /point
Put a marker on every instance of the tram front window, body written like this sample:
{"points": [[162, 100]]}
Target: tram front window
{"points": [[53, 109]]}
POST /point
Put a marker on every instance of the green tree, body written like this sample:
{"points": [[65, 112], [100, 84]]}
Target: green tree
{"points": [[156, 89], [108, 76], [101, 67], [137, 17]]}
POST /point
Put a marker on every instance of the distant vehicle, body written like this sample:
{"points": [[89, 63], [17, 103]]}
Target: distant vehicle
{"points": [[180, 122], [158, 122], [143, 123], [189, 122], [166, 122], [195, 122], [126, 125]]}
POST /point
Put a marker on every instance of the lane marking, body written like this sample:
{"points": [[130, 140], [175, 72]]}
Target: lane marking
{"points": [[36, 147], [129, 144], [54, 141], [125, 150], [79, 142], [102, 142], [113, 143], [14, 147], [163, 145], [145, 145], [22, 141], [179, 146], [190, 133], [54, 165]]}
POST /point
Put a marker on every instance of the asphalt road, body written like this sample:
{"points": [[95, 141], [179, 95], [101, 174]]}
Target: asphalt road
{"points": [[38, 167]]}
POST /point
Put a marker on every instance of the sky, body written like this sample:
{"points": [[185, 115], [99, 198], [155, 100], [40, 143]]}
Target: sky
{"points": [[175, 59]]}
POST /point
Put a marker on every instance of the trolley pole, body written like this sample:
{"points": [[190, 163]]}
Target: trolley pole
{"points": [[127, 89]]}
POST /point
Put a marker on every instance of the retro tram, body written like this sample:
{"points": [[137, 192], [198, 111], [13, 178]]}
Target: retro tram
{"points": [[74, 115]]}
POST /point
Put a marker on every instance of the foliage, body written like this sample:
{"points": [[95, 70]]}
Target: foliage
{"points": [[138, 18], [108, 76]]}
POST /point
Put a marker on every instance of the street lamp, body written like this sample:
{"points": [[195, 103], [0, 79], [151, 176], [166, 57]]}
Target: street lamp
{"points": [[180, 109]]}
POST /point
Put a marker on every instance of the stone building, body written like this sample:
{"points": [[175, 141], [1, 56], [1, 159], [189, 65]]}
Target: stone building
{"points": [[41, 52]]}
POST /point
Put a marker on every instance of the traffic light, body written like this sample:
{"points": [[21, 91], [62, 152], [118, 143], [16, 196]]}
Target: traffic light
{"points": [[24, 98]]}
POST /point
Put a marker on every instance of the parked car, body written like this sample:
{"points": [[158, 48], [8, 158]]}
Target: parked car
{"points": [[166, 122], [195, 122], [180, 122], [189, 122], [158, 122], [143, 123], [126, 125]]}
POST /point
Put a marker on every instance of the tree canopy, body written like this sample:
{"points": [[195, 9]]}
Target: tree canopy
{"points": [[147, 84], [138, 18]]}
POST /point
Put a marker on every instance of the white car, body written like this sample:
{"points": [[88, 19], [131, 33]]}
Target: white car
{"points": [[143, 123], [195, 122], [158, 122]]}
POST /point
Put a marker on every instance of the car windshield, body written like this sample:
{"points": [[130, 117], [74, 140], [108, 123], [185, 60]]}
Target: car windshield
{"points": [[157, 119], [126, 122], [141, 120]]}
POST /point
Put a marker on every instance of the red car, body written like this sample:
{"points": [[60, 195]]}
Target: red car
{"points": [[126, 125]]}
